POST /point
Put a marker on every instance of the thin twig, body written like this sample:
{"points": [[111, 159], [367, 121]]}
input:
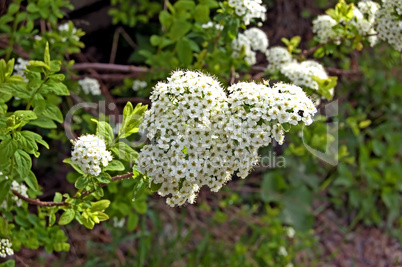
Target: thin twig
{"points": [[115, 178], [37, 202], [133, 99], [110, 67]]}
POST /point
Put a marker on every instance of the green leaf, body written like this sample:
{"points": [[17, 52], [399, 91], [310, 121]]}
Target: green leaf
{"points": [[43, 122], [53, 86], [25, 115], [57, 197], [140, 206], [4, 189], [57, 77], [34, 64], [132, 221], [53, 112], [13, 8], [104, 131], [114, 165], [67, 217], [319, 53], [138, 190], [9, 263], [166, 19], [47, 56], [124, 152], [184, 52], [81, 182], [179, 29], [69, 161], [23, 163], [31, 181], [100, 205], [8, 147], [201, 13], [364, 124], [131, 119], [17, 89], [155, 187], [102, 216], [104, 178], [31, 137]]}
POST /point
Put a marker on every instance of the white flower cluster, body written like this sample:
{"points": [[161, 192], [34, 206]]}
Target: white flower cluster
{"points": [[277, 56], [211, 24], [249, 9], [90, 86], [90, 154], [257, 38], [138, 85], [6, 248], [257, 112], [20, 67], [389, 26], [251, 40], [201, 137], [20, 188], [363, 19], [302, 73], [322, 26], [184, 126], [64, 28]]}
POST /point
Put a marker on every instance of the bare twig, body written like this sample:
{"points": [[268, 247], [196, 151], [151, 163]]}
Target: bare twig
{"points": [[38, 202], [134, 100], [115, 178], [110, 67]]}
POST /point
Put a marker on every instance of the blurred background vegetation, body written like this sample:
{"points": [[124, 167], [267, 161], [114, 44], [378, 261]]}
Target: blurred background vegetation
{"points": [[307, 213]]}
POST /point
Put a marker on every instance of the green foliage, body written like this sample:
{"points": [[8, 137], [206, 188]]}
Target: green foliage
{"points": [[129, 13]]}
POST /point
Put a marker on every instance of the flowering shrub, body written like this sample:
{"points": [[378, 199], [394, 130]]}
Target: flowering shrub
{"points": [[200, 130]]}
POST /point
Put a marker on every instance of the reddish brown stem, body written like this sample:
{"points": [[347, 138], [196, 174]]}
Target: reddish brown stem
{"points": [[40, 203], [37, 202]]}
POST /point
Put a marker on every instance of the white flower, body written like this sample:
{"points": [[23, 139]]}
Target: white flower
{"points": [[90, 86], [20, 188], [282, 251], [20, 67], [251, 39], [322, 26], [243, 44], [199, 136], [248, 9], [277, 56], [212, 25], [119, 223], [63, 28], [90, 154], [389, 26], [302, 73], [258, 39], [6, 248], [138, 85], [290, 232]]}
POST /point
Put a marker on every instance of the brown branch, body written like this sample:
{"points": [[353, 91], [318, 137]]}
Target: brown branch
{"points": [[40, 203], [341, 72], [37, 202], [110, 77], [133, 99], [110, 67], [115, 178]]}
